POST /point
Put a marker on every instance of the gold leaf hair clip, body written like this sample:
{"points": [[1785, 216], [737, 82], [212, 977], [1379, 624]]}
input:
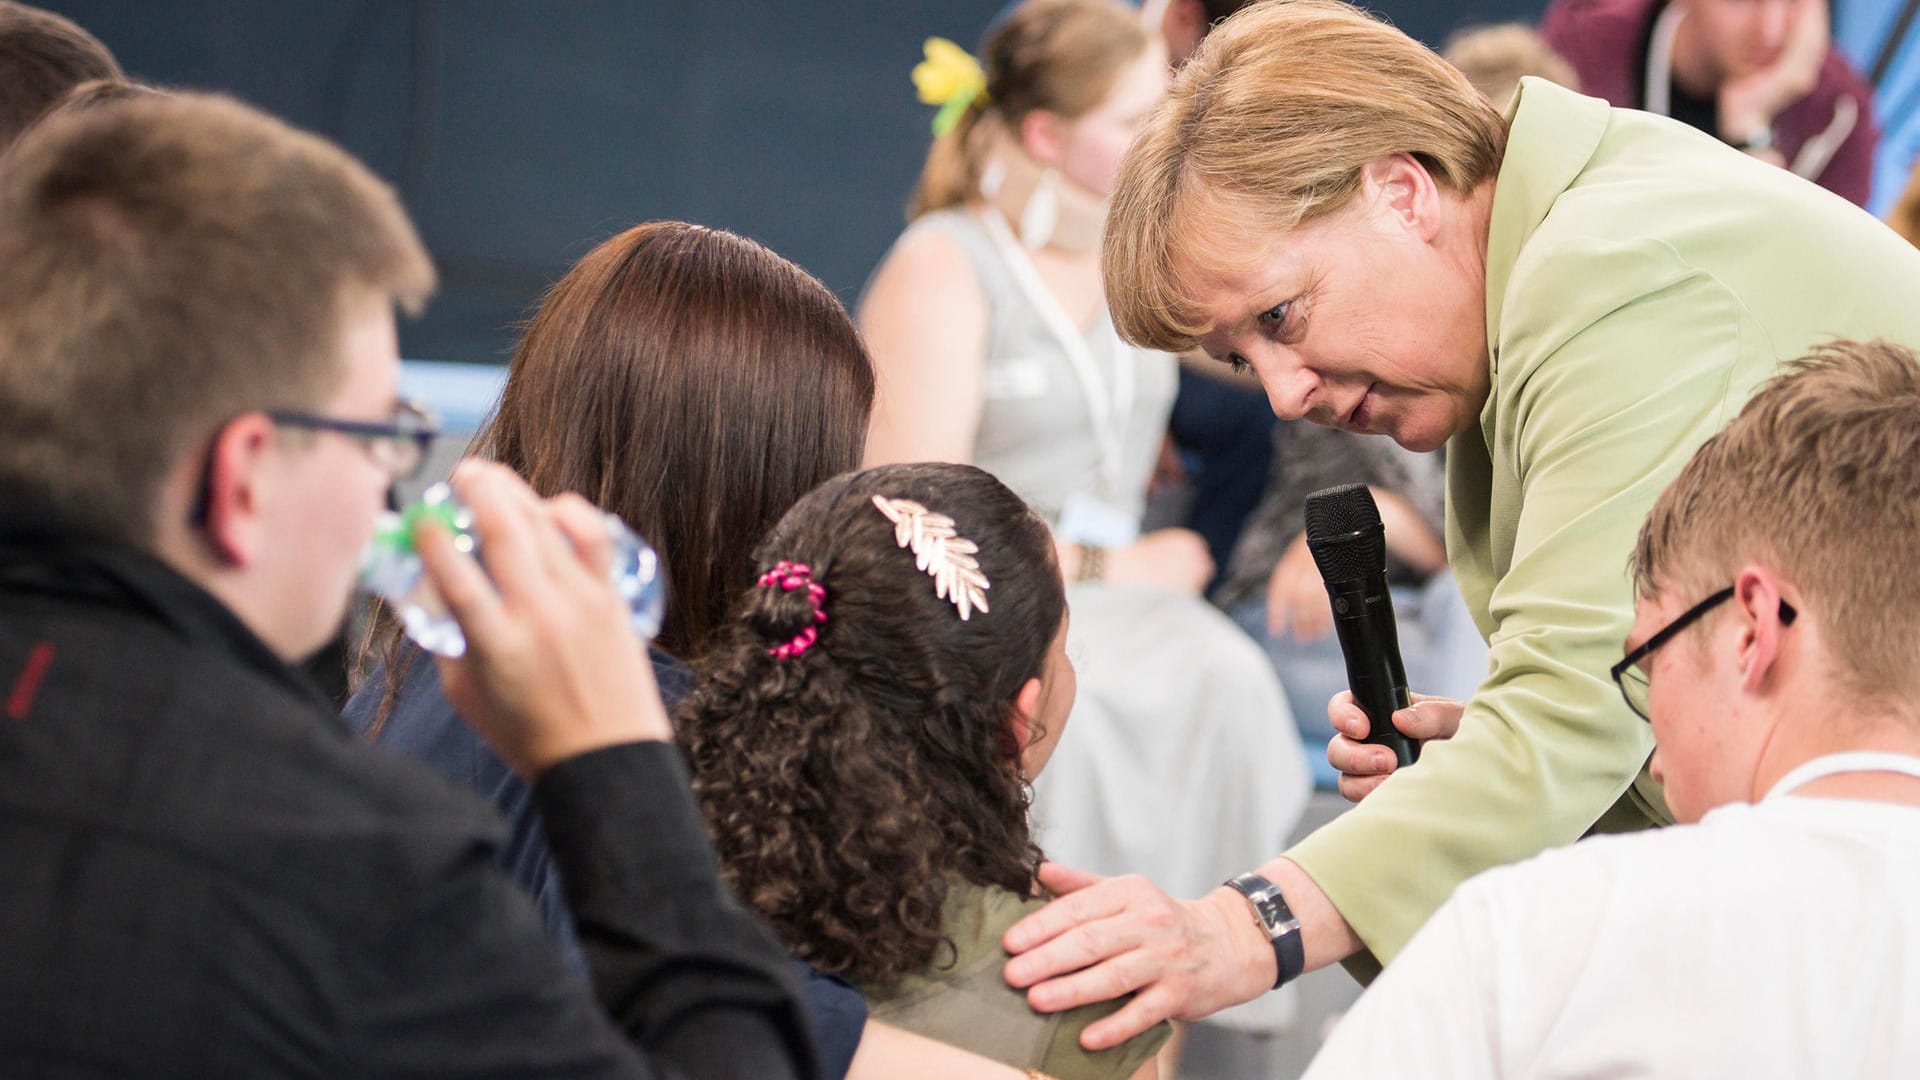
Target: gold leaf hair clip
{"points": [[940, 551]]}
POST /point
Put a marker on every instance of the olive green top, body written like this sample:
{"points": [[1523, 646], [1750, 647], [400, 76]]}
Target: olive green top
{"points": [[968, 1003], [1642, 279]]}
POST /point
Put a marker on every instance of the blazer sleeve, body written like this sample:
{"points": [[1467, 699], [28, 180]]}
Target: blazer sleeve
{"points": [[1616, 361]]}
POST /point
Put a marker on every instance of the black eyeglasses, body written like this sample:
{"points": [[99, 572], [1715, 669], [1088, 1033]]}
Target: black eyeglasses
{"points": [[1632, 679], [399, 445]]}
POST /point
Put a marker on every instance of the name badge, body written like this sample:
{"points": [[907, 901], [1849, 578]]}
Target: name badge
{"points": [[1085, 519]]}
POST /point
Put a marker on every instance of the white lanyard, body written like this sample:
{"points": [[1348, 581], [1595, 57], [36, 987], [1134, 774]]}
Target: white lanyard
{"points": [[1656, 96], [1109, 412], [1855, 761]]}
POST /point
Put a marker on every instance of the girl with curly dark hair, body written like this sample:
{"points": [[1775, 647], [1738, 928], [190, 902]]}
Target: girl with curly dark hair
{"points": [[863, 742]]}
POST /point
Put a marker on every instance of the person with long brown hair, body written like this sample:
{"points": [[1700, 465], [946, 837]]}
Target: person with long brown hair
{"points": [[689, 381], [864, 740], [993, 345]]}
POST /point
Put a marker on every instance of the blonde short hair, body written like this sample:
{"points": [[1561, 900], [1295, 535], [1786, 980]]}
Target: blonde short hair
{"points": [[1271, 122], [1815, 478]]}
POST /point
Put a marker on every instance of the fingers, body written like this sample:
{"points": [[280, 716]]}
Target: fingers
{"points": [[1432, 718], [1122, 973], [1355, 788], [1348, 718], [1096, 901], [1354, 758], [506, 519], [1147, 1008], [1061, 879], [1312, 617], [462, 585], [1428, 717]]}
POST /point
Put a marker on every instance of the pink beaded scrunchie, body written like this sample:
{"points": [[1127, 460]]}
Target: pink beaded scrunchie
{"points": [[790, 576]]}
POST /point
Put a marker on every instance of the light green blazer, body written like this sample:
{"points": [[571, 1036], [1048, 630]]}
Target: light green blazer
{"points": [[1642, 279]]}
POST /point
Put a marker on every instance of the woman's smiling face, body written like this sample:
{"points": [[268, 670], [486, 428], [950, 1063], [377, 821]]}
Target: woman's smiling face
{"points": [[1370, 319]]}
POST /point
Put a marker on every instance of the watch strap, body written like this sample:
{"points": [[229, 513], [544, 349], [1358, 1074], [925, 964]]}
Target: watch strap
{"points": [[1277, 919]]}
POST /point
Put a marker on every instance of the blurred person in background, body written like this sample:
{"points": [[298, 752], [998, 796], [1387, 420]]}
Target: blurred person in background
{"points": [[1220, 433], [1495, 58], [42, 57], [992, 340], [1761, 75]]}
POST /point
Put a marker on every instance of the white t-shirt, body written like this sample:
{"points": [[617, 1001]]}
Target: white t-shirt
{"points": [[1772, 940]]}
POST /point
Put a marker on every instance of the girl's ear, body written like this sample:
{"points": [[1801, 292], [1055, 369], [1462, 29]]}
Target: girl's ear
{"points": [[1025, 704]]}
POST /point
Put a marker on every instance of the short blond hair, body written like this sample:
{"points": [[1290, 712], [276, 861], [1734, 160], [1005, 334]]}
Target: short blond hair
{"points": [[166, 263], [1817, 479], [1495, 58], [1272, 121]]}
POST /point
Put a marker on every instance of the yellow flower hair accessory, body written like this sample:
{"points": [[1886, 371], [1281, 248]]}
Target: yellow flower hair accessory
{"points": [[951, 78]]}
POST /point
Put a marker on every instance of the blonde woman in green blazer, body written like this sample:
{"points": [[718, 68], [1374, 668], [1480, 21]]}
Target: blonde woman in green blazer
{"points": [[1569, 298]]}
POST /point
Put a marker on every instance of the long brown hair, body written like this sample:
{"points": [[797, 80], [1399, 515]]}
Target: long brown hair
{"points": [[1060, 56], [848, 787], [693, 383]]}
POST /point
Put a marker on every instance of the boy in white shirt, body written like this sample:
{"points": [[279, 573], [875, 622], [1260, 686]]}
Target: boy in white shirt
{"points": [[1776, 651]]}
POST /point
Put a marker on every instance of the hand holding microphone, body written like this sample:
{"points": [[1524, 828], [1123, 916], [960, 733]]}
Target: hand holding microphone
{"points": [[1364, 766], [1348, 543]]}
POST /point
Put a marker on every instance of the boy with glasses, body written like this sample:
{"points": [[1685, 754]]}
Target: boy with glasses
{"points": [[205, 874], [1776, 652]]}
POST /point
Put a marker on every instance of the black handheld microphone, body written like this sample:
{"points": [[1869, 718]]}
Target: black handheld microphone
{"points": [[1349, 545]]}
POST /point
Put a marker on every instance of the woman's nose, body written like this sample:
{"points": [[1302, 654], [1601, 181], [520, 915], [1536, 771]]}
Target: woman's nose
{"points": [[1289, 389]]}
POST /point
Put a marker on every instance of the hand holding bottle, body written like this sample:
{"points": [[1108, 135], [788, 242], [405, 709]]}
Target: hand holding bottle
{"points": [[551, 669]]}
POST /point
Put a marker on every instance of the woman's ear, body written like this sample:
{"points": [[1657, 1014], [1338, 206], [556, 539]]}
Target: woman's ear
{"points": [[1405, 190], [1026, 705], [1042, 135]]}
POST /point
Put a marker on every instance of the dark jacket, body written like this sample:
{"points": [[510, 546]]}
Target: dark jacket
{"points": [[206, 874], [422, 725], [1606, 42]]}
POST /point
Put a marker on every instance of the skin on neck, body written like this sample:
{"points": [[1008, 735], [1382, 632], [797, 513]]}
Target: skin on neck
{"points": [[1781, 687], [1808, 730]]}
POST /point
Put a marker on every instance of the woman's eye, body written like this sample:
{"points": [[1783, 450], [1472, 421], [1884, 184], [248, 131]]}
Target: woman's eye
{"points": [[1276, 316], [1238, 363]]}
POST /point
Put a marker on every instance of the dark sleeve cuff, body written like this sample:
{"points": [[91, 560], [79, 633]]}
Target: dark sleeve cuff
{"points": [[625, 814], [677, 962]]}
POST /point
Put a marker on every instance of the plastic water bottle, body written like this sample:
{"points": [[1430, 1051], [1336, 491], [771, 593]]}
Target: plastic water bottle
{"points": [[391, 568]]}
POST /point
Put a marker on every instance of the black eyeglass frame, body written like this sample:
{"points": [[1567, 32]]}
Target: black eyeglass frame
{"points": [[422, 437], [421, 429], [1630, 664]]}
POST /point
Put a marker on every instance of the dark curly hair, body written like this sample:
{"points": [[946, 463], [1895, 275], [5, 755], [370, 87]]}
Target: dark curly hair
{"points": [[846, 787]]}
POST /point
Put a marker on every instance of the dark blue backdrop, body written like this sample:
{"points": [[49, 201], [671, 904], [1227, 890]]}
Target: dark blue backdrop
{"points": [[521, 132]]}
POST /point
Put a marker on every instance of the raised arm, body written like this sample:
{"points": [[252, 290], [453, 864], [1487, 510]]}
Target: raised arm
{"points": [[559, 685]]}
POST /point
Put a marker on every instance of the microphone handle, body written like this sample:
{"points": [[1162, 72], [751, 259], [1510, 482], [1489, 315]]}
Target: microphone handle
{"points": [[1370, 642]]}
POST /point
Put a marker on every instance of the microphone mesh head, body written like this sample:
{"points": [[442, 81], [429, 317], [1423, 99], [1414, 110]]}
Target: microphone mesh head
{"points": [[1344, 533]]}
